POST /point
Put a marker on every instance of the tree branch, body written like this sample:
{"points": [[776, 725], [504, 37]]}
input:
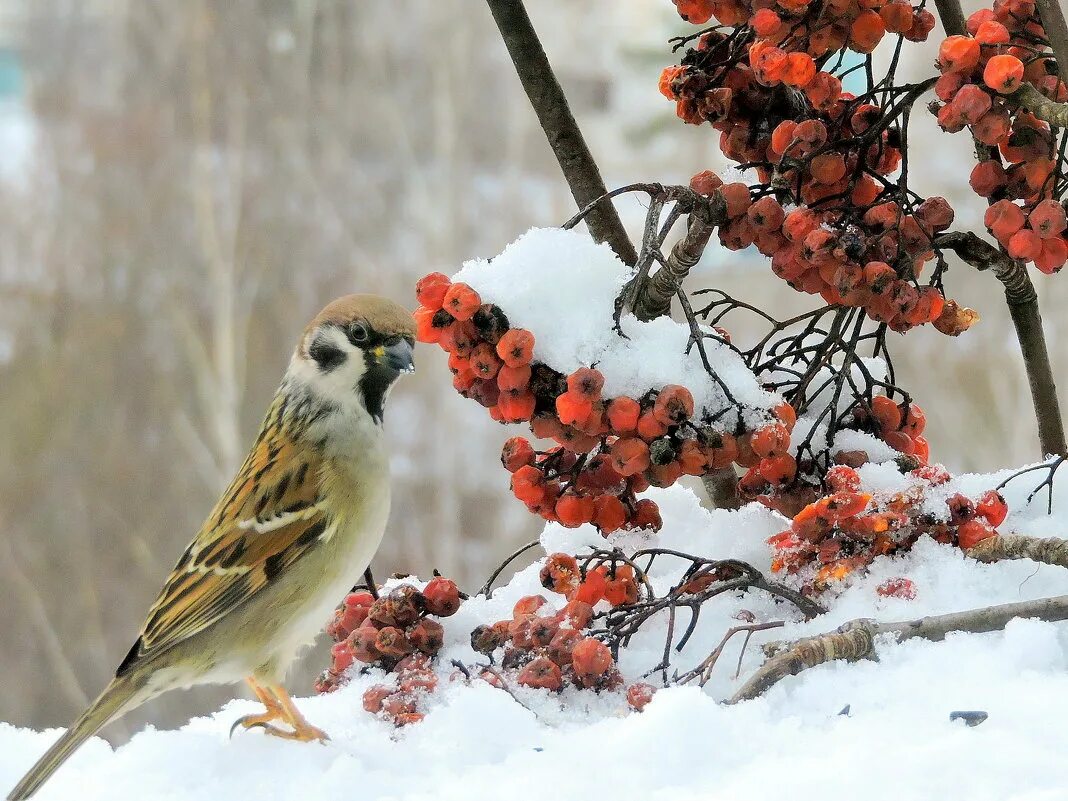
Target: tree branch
{"points": [[1051, 12], [855, 640], [655, 295], [1041, 106], [1048, 550], [566, 140], [1022, 300]]}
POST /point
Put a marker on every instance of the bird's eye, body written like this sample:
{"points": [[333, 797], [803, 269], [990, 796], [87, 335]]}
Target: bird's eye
{"points": [[359, 333]]}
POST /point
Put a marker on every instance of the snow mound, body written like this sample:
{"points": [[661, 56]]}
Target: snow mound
{"points": [[573, 325], [895, 741]]}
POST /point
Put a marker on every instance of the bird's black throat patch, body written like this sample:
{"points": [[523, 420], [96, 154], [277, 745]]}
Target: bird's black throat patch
{"points": [[374, 383]]}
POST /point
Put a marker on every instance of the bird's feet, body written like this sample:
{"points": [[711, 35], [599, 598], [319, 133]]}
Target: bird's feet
{"points": [[279, 708]]}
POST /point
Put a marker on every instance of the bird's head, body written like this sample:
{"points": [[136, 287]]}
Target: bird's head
{"points": [[354, 350]]}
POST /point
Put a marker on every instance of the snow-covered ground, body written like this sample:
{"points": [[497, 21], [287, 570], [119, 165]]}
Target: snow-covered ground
{"points": [[477, 742]]}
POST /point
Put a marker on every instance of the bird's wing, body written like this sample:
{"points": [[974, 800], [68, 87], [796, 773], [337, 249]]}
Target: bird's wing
{"points": [[268, 519]]}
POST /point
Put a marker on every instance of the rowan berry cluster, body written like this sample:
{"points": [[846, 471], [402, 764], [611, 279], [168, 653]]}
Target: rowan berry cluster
{"points": [[854, 238], [846, 529], [397, 633], [1006, 47], [608, 449], [546, 648]]}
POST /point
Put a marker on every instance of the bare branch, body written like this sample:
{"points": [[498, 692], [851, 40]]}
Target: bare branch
{"points": [[1022, 300], [1041, 106], [855, 640], [655, 295], [1051, 12], [1048, 550], [566, 140]]}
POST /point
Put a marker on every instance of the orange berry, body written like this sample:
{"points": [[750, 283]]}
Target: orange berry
{"points": [[591, 590], [442, 596], [973, 532], [992, 506], [572, 408], [590, 657], [639, 695], [1047, 219], [425, 330], [484, 361], [646, 515], [542, 673], [705, 183], [1004, 219], [516, 407], [958, 54], [886, 413], [572, 511], [629, 455], [673, 405], [609, 514], [667, 77], [560, 573], [516, 347], [586, 382], [623, 415], [430, 290], [461, 301], [770, 440], [649, 427], [513, 379], [516, 453], [1003, 74], [866, 32], [778, 470], [765, 22], [800, 70]]}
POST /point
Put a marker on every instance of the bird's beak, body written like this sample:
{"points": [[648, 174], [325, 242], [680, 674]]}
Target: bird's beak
{"points": [[399, 357]]}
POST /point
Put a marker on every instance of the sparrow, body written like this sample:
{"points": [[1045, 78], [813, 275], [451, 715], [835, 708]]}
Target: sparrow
{"points": [[290, 536]]}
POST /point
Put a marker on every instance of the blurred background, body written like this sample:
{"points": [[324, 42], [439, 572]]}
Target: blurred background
{"points": [[182, 185]]}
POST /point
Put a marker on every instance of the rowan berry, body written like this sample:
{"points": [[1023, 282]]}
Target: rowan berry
{"points": [[992, 506], [516, 347], [1003, 73], [430, 290]]}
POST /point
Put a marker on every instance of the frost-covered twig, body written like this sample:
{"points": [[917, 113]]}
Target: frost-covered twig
{"points": [[562, 132], [1048, 550], [855, 640]]}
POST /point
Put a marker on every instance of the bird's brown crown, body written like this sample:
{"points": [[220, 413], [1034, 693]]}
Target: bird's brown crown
{"points": [[381, 314]]}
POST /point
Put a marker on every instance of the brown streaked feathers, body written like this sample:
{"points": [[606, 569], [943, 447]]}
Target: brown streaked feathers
{"points": [[263, 522]]}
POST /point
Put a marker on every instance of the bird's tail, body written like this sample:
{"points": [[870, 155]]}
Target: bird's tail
{"points": [[116, 699]]}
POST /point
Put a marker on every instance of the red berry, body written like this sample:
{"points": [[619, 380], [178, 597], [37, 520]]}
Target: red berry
{"points": [[516, 347], [590, 657], [639, 695], [973, 532], [897, 588], [427, 636], [442, 596], [517, 452], [430, 290], [541, 672], [992, 506], [461, 301]]}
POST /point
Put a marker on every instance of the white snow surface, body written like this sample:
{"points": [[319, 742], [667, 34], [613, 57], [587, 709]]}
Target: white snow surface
{"points": [[562, 286], [477, 742]]}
